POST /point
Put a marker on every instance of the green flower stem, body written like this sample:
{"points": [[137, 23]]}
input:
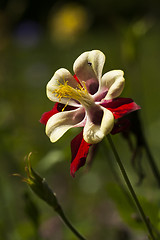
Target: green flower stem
{"points": [[120, 183], [40, 187], [68, 224], [131, 190]]}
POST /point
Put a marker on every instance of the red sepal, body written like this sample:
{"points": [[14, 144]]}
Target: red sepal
{"points": [[47, 115], [56, 109], [120, 106], [79, 149]]}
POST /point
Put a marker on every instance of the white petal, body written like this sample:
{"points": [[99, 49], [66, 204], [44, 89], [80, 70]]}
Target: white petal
{"points": [[89, 65], [95, 133], [114, 81], [61, 122], [62, 75]]}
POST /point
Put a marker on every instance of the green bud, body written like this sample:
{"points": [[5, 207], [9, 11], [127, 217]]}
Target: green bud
{"points": [[40, 187]]}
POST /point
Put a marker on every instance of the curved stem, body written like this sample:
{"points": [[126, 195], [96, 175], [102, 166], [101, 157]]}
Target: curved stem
{"points": [[131, 190], [68, 224], [40, 187]]}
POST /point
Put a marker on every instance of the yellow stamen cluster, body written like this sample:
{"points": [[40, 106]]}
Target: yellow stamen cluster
{"points": [[63, 90]]}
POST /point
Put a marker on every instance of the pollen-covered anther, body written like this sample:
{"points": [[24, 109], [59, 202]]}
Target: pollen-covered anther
{"points": [[79, 93]]}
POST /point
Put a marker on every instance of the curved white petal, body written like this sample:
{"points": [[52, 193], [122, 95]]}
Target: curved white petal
{"points": [[114, 82], [61, 122], [95, 133], [88, 67], [61, 75]]}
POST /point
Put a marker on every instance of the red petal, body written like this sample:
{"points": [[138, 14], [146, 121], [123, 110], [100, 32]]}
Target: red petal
{"points": [[47, 115], [120, 106], [79, 149]]}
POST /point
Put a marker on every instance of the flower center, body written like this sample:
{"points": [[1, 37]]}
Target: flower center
{"points": [[79, 93]]}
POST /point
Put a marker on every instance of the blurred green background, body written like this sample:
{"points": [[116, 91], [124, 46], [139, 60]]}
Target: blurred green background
{"points": [[37, 38]]}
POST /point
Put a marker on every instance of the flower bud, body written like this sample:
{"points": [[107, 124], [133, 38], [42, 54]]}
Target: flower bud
{"points": [[40, 187]]}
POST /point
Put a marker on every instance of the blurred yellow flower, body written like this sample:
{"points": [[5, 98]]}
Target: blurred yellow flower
{"points": [[68, 22]]}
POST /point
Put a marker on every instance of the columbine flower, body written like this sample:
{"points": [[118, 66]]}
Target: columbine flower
{"points": [[87, 100]]}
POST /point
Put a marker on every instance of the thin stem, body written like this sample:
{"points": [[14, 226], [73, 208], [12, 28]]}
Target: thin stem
{"points": [[152, 163], [132, 192], [120, 183], [40, 187], [68, 224], [137, 129]]}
